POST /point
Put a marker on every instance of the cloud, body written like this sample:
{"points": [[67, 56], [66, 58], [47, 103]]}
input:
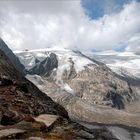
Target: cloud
{"points": [[39, 24], [134, 44], [111, 31]]}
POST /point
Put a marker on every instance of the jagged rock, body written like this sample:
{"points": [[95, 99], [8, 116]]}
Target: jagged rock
{"points": [[21, 97], [14, 60], [46, 66], [95, 86], [47, 119]]}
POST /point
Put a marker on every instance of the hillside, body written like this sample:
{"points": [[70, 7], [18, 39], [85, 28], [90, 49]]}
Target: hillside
{"points": [[85, 87]]}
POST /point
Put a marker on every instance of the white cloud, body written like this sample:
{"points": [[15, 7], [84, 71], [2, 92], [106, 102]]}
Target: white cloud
{"points": [[39, 24], [111, 30], [134, 44]]}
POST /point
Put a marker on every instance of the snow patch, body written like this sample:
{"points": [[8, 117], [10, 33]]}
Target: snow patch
{"points": [[65, 58], [130, 68], [68, 89], [80, 63]]}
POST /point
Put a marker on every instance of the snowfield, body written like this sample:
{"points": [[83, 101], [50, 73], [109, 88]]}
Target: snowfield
{"points": [[123, 63], [29, 58]]}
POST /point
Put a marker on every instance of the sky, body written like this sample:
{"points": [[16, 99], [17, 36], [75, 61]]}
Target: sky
{"points": [[86, 25]]}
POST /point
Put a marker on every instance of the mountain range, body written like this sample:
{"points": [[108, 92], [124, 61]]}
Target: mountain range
{"points": [[123, 63], [86, 91], [84, 86]]}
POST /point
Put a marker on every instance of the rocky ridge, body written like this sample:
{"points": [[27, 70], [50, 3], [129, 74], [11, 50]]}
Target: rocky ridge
{"points": [[14, 60], [21, 96]]}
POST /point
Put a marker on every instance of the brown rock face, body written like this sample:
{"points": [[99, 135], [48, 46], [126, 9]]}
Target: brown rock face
{"points": [[100, 86], [18, 96], [16, 104], [10, 55]]}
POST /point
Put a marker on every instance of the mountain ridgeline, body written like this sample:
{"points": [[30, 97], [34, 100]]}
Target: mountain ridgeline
{"points": [[85, 87], [14, 60], [13, 81], [90, 80]]}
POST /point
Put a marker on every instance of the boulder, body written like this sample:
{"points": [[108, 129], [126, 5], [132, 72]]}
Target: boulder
{"points": [[47, 119], [9, 132]]}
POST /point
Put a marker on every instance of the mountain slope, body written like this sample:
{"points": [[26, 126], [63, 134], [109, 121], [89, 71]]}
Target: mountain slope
{"points": [[76, 70], [15, 61], [13, 81], [84, 86], [123, 63]]}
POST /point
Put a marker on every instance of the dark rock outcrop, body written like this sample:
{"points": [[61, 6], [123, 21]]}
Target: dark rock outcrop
{"points": [[14, 60], [19, 97], [46, 66]]}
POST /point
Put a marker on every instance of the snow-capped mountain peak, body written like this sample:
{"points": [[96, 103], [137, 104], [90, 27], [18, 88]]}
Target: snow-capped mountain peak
{"points": [[65, 56], [75, 81]]}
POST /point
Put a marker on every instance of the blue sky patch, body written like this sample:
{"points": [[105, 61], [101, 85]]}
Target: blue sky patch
{"points": [[120, 49], [96, 9]]}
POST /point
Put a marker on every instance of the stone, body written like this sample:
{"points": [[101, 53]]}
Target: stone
{"points": [[86, 134], [47, 119], [10, 131]]}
